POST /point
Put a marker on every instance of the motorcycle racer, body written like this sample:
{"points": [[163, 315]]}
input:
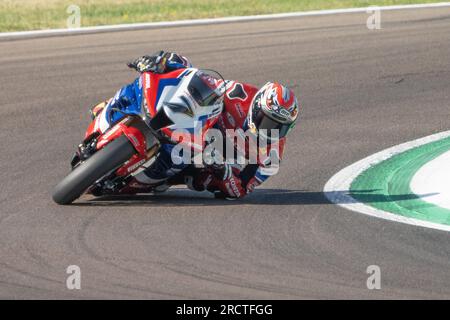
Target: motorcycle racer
{"points": [[246, 107]]}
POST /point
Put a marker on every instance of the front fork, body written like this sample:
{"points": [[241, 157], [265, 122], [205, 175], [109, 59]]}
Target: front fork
{"points": [[143, 140]]}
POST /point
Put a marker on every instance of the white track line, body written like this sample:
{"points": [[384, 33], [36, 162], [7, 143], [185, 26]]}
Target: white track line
{"points": [[196, 22], [336, 189], [434, 178]]}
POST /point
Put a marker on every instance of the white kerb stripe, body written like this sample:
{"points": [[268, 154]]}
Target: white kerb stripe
{"points": [[338, 187], [434, 179]]}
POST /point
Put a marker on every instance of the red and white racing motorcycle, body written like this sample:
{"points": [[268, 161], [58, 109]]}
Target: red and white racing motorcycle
{"points": [[114, 150]]}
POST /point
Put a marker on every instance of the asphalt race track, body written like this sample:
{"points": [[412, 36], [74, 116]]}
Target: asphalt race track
{"points": [[361, 90]]}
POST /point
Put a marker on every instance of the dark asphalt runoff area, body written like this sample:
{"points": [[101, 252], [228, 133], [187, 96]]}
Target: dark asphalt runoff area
{"points": [[361, 91]]}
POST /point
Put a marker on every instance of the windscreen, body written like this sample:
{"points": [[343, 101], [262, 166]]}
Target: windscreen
{"points": [[207, 88]]}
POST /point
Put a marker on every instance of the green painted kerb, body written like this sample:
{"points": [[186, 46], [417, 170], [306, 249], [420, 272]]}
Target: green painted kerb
{"points": [[386, 186]]}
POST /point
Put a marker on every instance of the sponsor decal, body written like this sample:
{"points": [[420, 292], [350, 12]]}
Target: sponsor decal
{"points": [[230, 119], [231, 186], [110, 133], [221, 122], [136, 165], [285, 113], [239, 110], [147, 81], [135, 140]]}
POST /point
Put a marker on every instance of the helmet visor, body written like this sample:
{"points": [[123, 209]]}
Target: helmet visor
{"points": [[262, 121]]}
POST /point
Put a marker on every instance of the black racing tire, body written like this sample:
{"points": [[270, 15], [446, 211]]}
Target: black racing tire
{"points": [[84, 175]]}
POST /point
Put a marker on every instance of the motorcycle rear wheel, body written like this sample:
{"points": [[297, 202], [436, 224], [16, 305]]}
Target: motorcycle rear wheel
{"points": [[87, 173]]}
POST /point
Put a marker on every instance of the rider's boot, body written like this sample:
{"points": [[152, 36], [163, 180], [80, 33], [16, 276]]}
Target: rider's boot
{"points": [[135, 186], [95, 111], [154, 178]]}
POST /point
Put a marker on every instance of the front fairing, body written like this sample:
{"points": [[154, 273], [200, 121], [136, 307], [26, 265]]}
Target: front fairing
{"points": [[128, 100], [160, 90]]}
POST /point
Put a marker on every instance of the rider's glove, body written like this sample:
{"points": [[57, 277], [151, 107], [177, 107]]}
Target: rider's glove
{"points": [[154, 63], [221, 180], [228, 182], [230, 188], [95, 111], [252, 184]]}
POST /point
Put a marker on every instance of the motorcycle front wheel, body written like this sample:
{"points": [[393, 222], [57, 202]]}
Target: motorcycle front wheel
{"points": [[112, 156]]}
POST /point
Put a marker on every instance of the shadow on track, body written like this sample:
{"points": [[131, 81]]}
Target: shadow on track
{"points": [[187, 198], [369, 196]]}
